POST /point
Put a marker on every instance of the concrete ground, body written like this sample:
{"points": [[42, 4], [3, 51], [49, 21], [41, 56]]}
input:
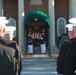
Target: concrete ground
{"points": [[39, 66]]}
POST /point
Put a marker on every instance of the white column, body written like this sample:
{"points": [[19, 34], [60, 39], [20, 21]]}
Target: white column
{"points": [[21, 23], [72, 8], [52, 26], [1, 8]]}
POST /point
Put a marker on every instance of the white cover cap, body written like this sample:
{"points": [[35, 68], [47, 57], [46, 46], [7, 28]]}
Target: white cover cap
{"points": [[70, 27], [2, 18], [73, 21], [3, 21], [10, 29]]}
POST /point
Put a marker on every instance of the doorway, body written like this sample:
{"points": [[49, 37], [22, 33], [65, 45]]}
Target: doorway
{"points": [[37, 33]]}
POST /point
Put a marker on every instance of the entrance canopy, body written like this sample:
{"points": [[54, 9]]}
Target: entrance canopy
{"points": [[36, 14]]}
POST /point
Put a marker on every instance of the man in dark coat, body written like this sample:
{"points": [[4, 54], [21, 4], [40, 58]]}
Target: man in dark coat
{"points": [[61, 57], [7, 54], [70, 62], [9, 35], [63, 50], [7, 61]]}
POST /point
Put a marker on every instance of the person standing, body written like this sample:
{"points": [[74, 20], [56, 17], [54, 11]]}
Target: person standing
{"points": [[7, 54], [43, 46], [30, 47], [9, 35], [63, 50], [70, 64]]}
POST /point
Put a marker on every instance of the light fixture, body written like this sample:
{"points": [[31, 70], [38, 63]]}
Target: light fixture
{"points": [[36, 19]]}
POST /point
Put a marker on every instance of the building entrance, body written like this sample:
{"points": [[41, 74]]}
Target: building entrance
{"points": [[37, 23], [37, 36]]}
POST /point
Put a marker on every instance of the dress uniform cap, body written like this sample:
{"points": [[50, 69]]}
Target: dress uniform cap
{"points": [[2, 18], [10, 29], [70, 27], [72, 20], [3, 23]]}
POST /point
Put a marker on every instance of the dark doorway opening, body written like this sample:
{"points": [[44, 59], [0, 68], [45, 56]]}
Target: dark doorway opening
{"points": [[37, 31]]}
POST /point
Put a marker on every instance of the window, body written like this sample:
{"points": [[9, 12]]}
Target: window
{"points": [[61, 26], [12, 22], [36, 2]]}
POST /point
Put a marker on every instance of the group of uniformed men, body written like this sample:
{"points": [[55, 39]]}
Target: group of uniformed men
{"points": [[66, 61], [42, 46], [10, 53]]}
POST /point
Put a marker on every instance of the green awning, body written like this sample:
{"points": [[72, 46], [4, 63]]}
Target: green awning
{"points": [[36, 14]]}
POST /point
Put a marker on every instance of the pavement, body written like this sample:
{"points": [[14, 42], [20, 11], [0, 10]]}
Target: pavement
{"points": [[40, 56], [39, 67]]}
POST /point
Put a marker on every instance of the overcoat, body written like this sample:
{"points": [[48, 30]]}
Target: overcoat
{"points": [[7, 60], [14, 45]]}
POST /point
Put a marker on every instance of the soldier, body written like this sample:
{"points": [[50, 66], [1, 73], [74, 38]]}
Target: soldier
{"points": [[9, 35], [9, 32], [30, 47], [43, 46], [62, 39], [63, 50], [70, 64], [7, 54], [70, 31]]}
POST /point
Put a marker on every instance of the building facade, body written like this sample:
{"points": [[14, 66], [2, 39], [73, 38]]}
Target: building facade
{"points": [[38, 20]]}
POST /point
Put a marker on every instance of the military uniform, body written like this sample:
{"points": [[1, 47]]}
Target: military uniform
{"points": [[14, 45], [7, 54], [30, 47], [9, 31], [61, 57], [61, 60], [19, 59], [43, 47], [70, 62], [7, 61]]}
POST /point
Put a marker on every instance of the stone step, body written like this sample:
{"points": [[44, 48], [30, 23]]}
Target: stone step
{"points": [[38, 73], [40, 56]]}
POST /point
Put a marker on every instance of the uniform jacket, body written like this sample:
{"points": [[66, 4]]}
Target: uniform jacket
{"points": [[70, 62], [61, 57], [7, 61], [14, 45], [10, 44]]}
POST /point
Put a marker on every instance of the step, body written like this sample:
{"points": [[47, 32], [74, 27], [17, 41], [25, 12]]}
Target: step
{"points": [[38, 73]]}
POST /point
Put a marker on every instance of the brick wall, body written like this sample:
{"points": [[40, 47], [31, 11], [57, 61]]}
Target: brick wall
{"points": [[61, 10], [11, 10], [43, 7]]}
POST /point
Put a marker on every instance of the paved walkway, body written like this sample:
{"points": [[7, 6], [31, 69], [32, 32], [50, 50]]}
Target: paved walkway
{"points": [[39, 67]]}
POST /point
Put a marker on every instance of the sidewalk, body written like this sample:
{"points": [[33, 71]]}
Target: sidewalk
{"points": [[40, 56]]}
